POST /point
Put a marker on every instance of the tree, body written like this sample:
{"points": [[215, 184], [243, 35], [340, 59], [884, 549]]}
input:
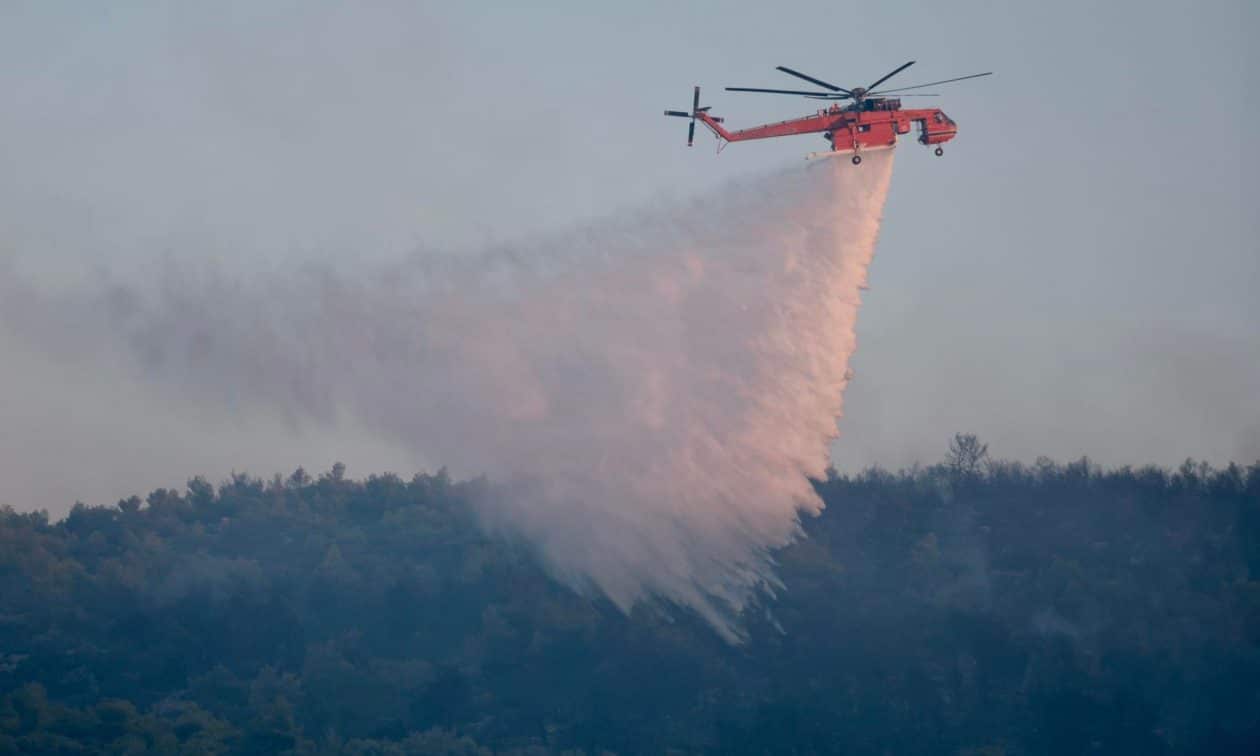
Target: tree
{"points": [[200, 493], [966, 455], [299, 478]]}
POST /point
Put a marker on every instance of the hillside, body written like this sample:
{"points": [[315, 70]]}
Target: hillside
{"points": [[971, 607]]}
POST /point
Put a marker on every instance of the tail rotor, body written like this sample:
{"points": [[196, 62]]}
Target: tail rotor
{"points": [[696, 110]]}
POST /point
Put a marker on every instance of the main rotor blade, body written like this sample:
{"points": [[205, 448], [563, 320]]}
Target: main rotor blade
{"points": [[691, 133], [695, 101], [827, 95], [934, 83], [833, 98], [811, 79], [888, 76], [677, 113]]}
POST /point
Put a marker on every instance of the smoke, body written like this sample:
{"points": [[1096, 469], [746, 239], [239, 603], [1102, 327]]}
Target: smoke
{"points": [[648, 396]]}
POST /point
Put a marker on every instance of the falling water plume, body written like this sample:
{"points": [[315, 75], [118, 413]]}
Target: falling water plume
{"points": [[649, 396]]}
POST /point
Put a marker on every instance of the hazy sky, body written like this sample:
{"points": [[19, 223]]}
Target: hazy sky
{"points": [[1077, 275]]}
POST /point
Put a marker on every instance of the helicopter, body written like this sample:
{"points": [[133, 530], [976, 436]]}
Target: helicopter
{"points": [[872, 121]]}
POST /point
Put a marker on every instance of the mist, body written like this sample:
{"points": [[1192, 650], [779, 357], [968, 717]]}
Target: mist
{"points": [[1037, 293], [648, 395]]}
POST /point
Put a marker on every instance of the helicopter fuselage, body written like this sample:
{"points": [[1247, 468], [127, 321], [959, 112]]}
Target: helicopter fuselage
{"points": [[868, 124]]}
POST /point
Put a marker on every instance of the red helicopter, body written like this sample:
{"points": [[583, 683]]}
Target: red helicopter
{"points": [[873, 121]]}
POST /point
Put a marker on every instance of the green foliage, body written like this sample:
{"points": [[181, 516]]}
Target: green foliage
{"points": [[974, 607]]}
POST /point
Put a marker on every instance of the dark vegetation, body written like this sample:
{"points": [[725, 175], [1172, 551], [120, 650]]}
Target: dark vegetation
{"points": [[972, 607]]}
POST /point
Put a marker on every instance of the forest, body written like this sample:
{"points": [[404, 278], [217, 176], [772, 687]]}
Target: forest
{"points": [[975, 607]]}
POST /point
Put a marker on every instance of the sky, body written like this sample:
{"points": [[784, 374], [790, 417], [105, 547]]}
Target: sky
{"points": [[1077, 275]]}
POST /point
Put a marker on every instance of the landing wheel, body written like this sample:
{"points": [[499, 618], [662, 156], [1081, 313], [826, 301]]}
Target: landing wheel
{"points": [[856, 159], [939, 151]]}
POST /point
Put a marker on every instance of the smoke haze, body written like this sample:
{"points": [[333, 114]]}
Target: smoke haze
{"points": [[647, 396], [1090, 296]]}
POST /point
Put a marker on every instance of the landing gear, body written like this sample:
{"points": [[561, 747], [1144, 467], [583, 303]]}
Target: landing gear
{"points": [[856, 159], [939, 151]]}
